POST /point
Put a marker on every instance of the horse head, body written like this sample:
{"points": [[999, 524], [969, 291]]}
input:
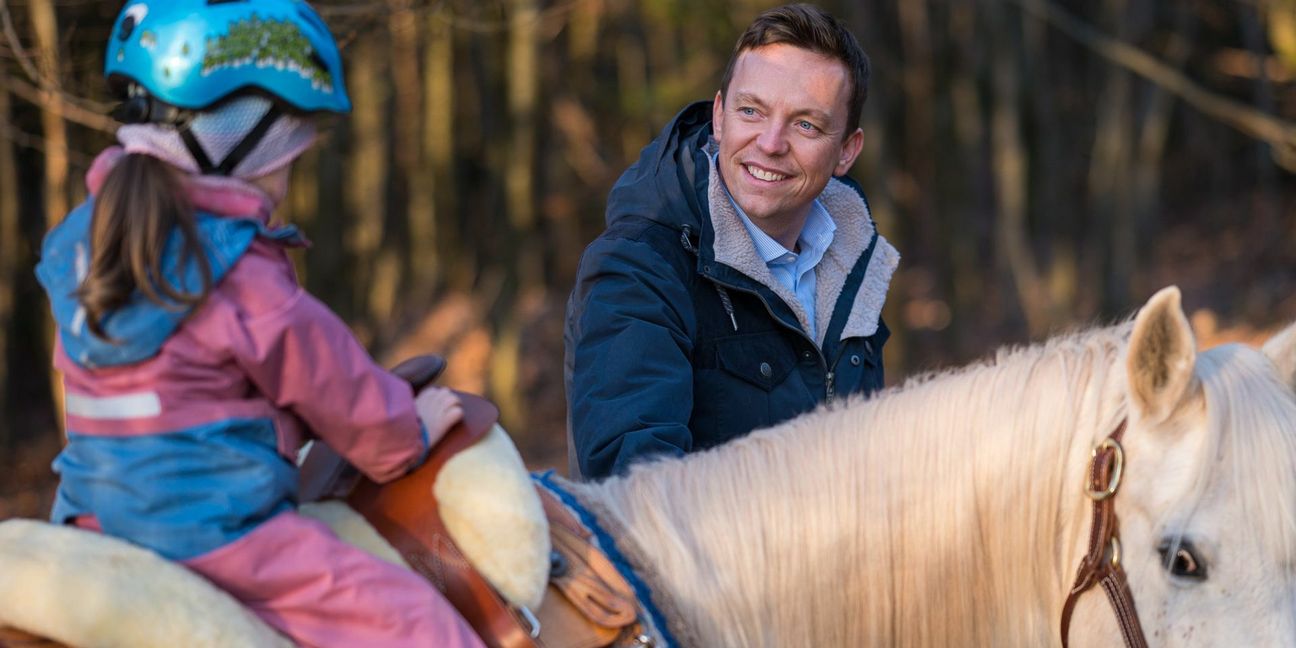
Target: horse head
{"points": [[1207, 502]]}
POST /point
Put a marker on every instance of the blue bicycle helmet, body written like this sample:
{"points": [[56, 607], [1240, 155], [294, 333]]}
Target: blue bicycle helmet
{"points": [[192, 54]]}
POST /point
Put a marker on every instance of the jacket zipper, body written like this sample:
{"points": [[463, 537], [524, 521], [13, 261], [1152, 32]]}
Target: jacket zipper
{"points": [[832, 375]]}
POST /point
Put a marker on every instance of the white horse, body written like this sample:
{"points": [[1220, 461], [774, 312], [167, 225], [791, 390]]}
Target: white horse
{"points": [[950, 511]]}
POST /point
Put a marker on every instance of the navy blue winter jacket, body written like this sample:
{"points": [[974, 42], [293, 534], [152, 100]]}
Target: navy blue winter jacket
{"points": [[678, 338]]}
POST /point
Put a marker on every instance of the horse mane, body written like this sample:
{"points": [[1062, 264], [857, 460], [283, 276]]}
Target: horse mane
{"points": [[754, 535]]}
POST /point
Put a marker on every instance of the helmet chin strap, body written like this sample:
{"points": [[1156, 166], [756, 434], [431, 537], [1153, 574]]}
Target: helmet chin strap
{"points": [[238, 154]]}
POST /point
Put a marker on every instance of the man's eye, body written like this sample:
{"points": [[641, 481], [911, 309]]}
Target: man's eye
{"points": [[807, 126], [747, 110]]}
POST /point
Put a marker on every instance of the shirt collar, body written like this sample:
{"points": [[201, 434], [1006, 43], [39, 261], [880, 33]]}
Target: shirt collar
{"points": [[816, 234], [819, 229]]}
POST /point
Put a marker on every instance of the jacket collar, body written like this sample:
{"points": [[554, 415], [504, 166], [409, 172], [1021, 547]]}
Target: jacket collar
{"points": [[732, 246]]}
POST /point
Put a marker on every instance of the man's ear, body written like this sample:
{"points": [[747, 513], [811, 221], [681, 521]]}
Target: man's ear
{"points": [[850, 150], [717, 115]]}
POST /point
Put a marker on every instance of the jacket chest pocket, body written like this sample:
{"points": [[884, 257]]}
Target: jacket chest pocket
{"points": [[743, 383], [759, 359]]}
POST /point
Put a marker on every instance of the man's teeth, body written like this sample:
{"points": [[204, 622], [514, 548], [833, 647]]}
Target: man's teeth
{"points": [[768, 176]]}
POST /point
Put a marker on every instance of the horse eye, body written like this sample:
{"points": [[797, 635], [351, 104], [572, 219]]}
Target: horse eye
{"points": [[1181, 559]]}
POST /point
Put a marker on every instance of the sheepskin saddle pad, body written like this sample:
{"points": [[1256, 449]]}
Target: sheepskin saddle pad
{"points": [[87, 589]]}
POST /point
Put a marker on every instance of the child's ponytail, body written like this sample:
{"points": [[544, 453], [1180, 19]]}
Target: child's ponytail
{"points": [[140, 204]]}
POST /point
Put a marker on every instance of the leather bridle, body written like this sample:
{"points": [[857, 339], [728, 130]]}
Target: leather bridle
{"points": [[1102, 564]]}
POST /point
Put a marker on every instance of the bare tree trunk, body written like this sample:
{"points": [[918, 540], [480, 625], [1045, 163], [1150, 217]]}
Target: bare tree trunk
{"points": [[574, 139], [1110, 170], [582, 42], [413, 253], [523, 92], [331, 267], [519, 182], [965, 173], [425, 257], [662, 57], [1266, 203], [1058, 225], [919, 91], [1281, 23], [438, 189], [9, 257], [1154, 128], [375, 273], [304, 205], [873, 168], [45, 24], [1010, 160], [632, 84]]}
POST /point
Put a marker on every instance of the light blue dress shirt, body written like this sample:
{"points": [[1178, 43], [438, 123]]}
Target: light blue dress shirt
{"points": [[795, 269]]}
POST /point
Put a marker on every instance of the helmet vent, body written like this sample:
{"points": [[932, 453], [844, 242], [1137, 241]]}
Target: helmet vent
{"points": [[134, 15], [318, 60], [127, 28]]}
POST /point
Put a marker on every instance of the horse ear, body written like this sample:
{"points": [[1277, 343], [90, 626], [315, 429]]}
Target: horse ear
{"points": [[1281, 349], [1162, 353]]}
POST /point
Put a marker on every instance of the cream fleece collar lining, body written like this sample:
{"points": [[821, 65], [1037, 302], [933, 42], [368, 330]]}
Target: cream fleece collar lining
{"points": [[733, 247]]}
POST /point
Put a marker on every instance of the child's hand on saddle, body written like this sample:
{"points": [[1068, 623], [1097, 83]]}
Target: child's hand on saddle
{"points": [[440, 410]]}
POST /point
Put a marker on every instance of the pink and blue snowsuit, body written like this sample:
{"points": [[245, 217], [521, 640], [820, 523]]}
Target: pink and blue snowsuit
{"points": [[182, 432]]}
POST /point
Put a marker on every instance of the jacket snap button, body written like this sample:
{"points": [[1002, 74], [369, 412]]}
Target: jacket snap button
{"points": [[855, 361], [807, 355], [766, 369]]}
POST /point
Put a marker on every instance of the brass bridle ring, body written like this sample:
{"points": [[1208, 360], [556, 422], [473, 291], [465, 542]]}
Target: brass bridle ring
{"points": [[1113, 481]]}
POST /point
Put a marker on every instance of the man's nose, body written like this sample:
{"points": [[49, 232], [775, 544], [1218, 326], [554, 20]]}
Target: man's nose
{"points": [[772, 139]]}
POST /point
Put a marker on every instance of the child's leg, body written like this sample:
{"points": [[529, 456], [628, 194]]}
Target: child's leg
{"points": [[303, 581]]}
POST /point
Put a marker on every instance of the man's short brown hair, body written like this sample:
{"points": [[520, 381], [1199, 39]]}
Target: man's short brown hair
{"points": [[811, 28]]}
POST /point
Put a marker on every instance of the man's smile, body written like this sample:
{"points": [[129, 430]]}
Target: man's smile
{"points": [[764, 175]]}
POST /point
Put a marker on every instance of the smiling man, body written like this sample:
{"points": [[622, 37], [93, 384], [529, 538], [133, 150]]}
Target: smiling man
{"points": [[740, 280]]}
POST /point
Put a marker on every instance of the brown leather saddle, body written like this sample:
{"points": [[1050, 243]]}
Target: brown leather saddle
{"points": [[588, 603]]}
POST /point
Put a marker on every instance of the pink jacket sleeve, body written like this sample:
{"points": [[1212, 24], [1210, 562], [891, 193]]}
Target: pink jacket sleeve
{"points": [[303, 358]]}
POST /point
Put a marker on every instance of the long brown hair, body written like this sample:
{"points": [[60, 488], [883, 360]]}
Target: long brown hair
{"points": [[141, 202]]}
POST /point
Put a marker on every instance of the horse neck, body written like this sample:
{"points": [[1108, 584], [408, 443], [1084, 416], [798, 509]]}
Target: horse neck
{"points": [[948, 511]]}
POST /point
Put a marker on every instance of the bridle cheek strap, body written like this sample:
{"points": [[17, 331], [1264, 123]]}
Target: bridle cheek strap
{"points": [[1102, 562]]}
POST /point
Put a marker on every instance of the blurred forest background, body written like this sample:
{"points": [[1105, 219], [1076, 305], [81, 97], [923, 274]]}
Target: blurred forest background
{"points": [[1041, 164]]}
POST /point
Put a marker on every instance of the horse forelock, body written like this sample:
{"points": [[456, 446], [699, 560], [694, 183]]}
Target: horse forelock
{"points": [[1252, 422]]}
